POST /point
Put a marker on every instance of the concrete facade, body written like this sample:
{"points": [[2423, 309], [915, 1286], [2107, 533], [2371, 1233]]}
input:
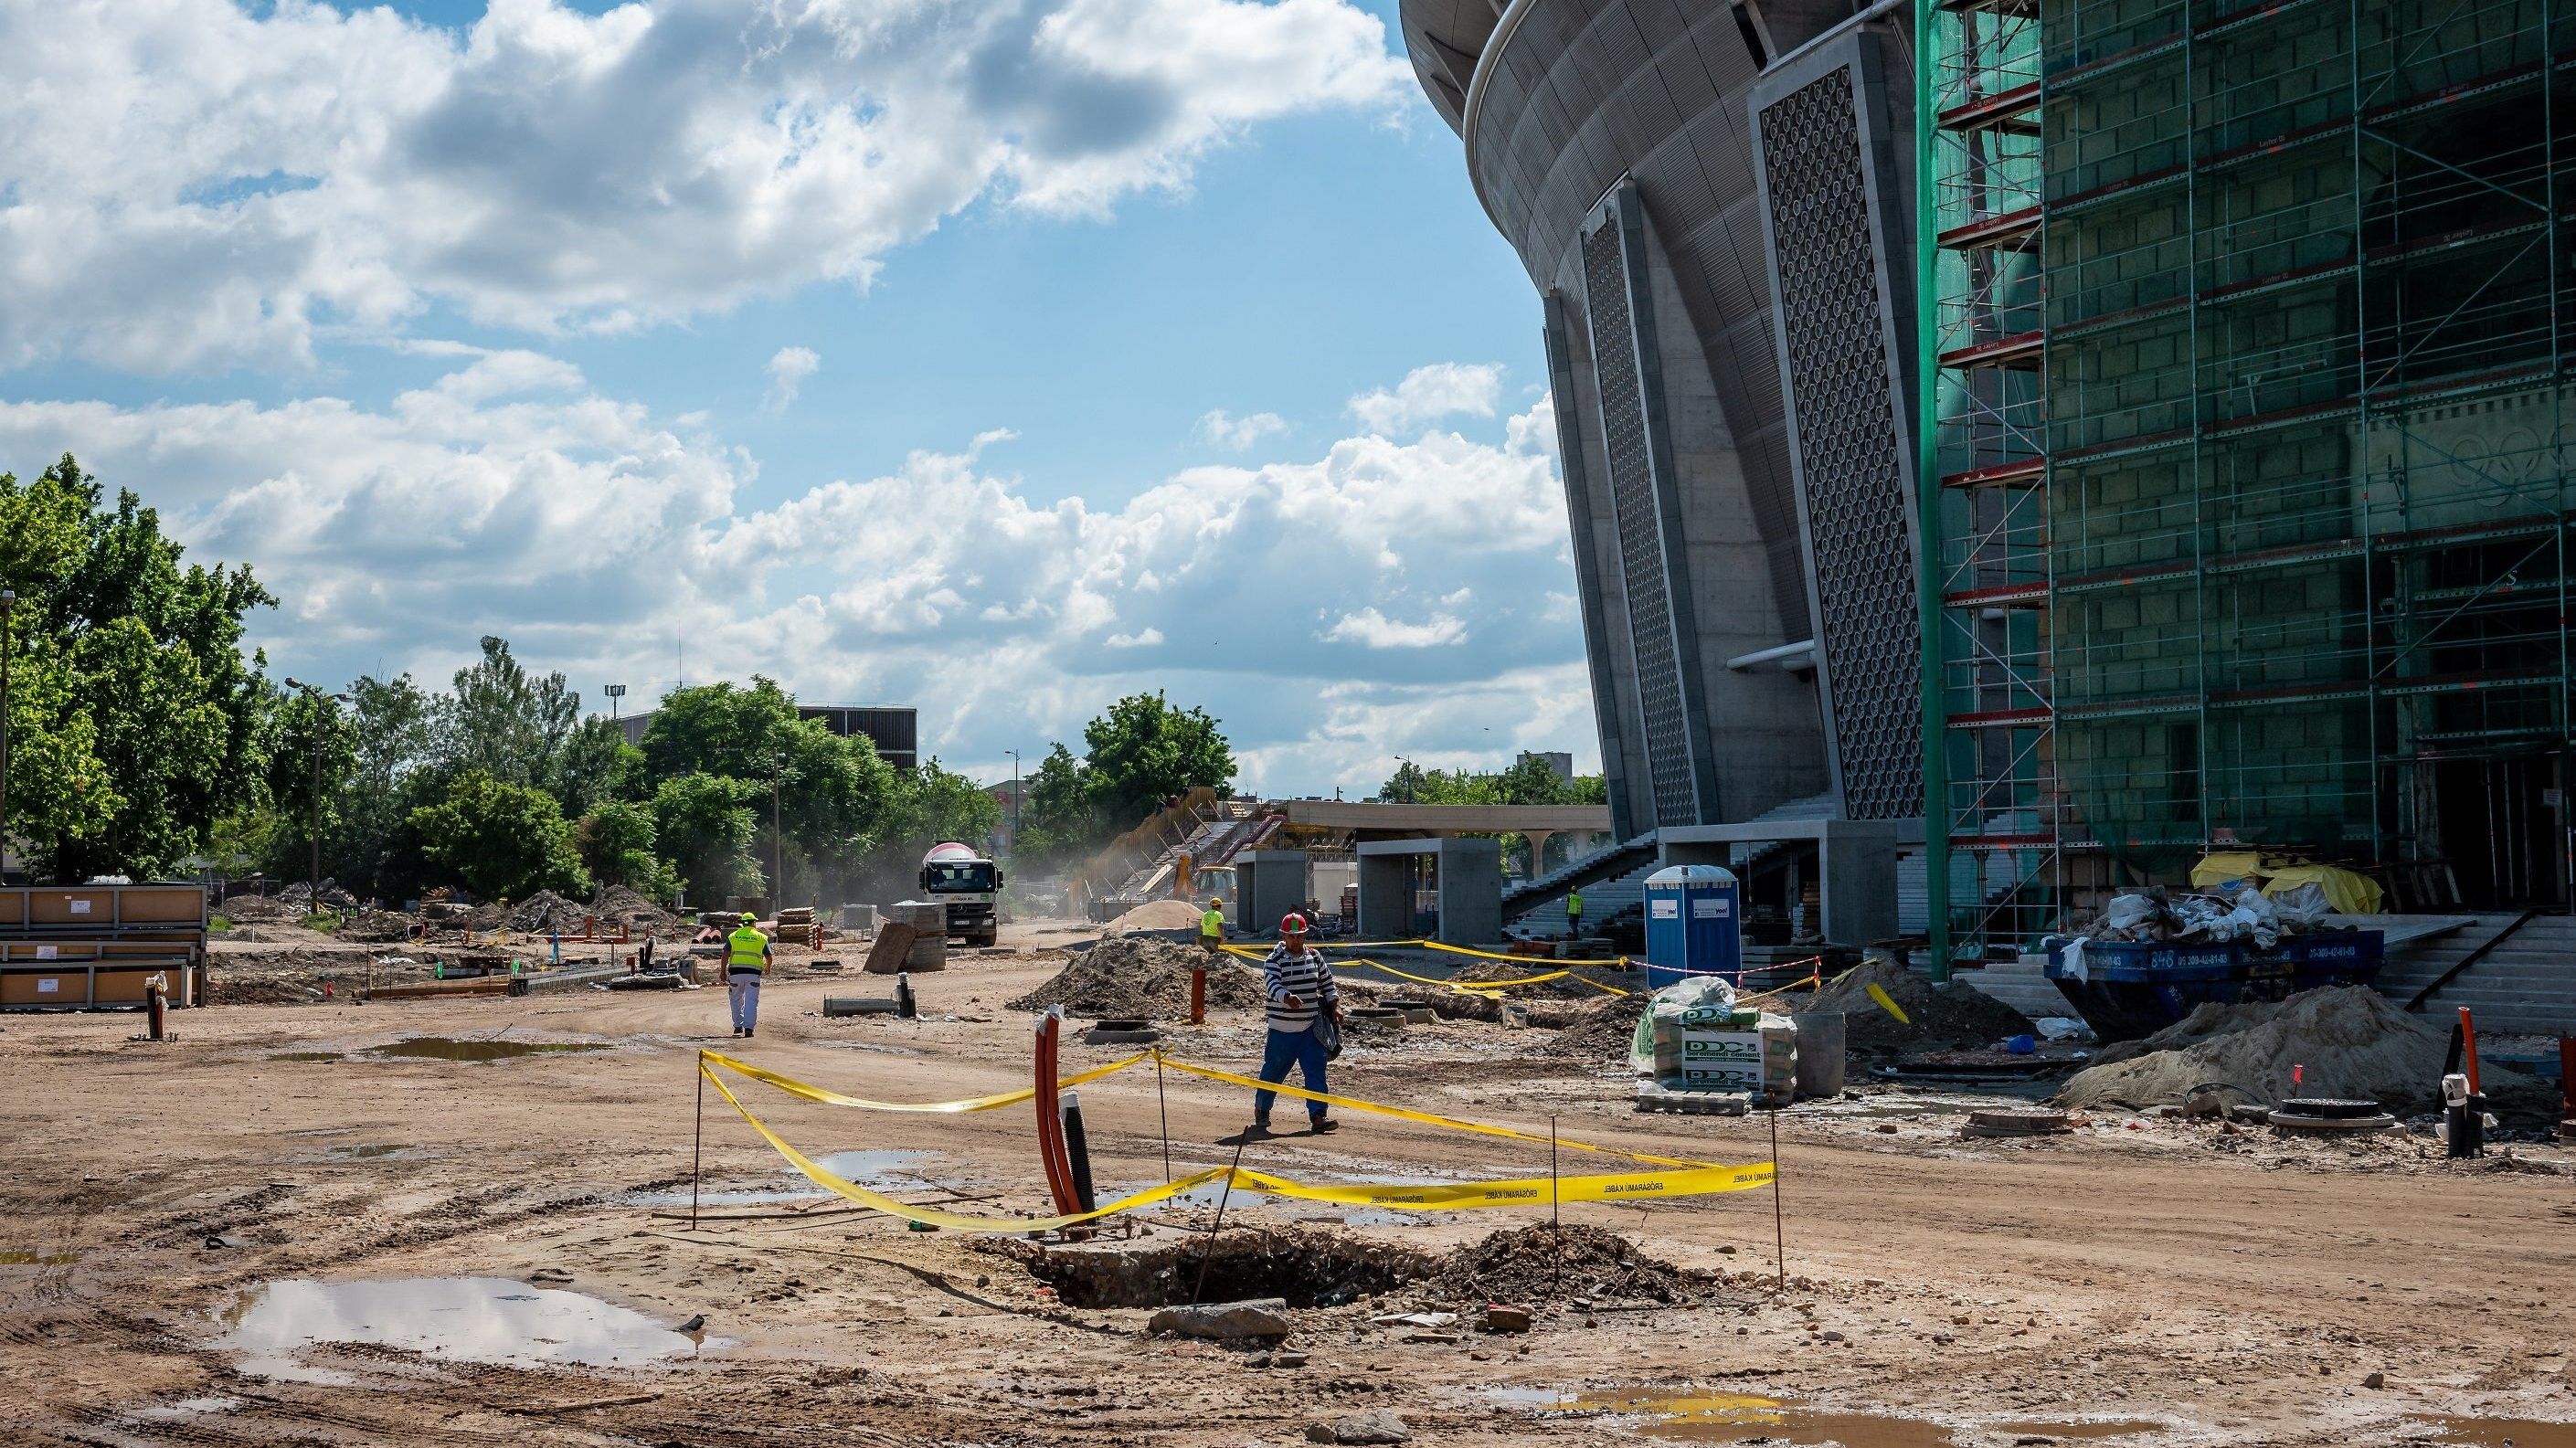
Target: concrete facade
{"points": [[1614, 144], [1268, 884], [1468, 875]]}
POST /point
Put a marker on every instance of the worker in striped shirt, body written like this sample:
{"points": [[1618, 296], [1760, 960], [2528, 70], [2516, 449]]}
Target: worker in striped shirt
{"points": [[1301, 990]]}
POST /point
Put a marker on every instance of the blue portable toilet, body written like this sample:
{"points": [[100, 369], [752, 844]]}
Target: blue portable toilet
{"points": [[1692, 925]]}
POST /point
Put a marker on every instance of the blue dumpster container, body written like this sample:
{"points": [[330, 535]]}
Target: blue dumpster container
{"points": [[1693, 925]]}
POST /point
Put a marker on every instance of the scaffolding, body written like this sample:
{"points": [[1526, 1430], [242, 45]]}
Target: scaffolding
{"points": [[2245, 482]]}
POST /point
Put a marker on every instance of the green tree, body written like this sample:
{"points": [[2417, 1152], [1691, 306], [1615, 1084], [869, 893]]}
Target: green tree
{"points": [[300, 727], [616, 845], [504, 841], [136, 719], [1143, 751], [834, 797], [1059, 819], [703, 824]]}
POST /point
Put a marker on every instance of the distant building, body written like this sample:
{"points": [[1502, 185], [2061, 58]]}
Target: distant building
{"points": [[1556, 759], [895, 729]]}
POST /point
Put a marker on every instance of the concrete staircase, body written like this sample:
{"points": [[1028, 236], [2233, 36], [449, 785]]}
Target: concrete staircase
{"points": [[2524, 985], [1544, 897], [2020, 983]]}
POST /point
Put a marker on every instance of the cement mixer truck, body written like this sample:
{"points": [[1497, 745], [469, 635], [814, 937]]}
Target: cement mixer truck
{"points": [[970, 886]]}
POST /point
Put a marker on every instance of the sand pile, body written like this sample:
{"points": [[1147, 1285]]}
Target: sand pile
{"points": [[1943, 1017], [1156, 915], [1542, 1261], [2354, 1043], [1142, 978], [617, 905]]}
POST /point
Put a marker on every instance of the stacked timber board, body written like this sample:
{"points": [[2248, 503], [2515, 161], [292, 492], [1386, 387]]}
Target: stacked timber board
{"points": [[97, 947]]}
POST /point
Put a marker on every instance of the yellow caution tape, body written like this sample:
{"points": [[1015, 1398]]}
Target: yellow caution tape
{"points": [[795, 1087], [1518, 1192], [1888, 1003], [1467, 985], [1425, 1117], [875, 1201], [1418, 1196]]}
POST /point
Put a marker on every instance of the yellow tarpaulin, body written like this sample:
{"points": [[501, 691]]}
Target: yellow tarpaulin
{"points": [[2348, 891]]}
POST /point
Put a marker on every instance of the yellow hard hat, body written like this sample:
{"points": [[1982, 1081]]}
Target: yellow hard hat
{"points": [[749, 919]]}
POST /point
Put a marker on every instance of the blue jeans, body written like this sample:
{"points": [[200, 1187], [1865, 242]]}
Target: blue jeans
{"points": [[1285, 1048]]}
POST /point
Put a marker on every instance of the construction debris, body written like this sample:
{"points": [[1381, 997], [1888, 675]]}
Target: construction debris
{"points": [[2340, 1041], [1955, 1015], [1547, 1262], [1143, 978]]}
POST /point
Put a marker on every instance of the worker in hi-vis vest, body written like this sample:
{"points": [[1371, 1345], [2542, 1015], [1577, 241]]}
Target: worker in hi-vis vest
{"points": [[1574, 912], [746, 957], [1212, 927]]}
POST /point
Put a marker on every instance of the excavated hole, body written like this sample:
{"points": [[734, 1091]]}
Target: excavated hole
{"points": [[1308, 1268]]}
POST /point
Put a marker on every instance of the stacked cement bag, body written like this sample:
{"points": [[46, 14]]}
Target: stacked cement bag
{"points": [[1696, 1038]]}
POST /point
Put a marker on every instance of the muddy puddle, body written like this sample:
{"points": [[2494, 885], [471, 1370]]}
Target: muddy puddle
{"points": [[2503, 1433], [448, 1048], [1693, 1415], [464, 1319], [37, 1259], [878, 1170]]}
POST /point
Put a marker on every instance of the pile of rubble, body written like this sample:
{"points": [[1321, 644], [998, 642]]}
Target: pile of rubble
{"points": [[1141, 977], [1936, 1017], [2245, 913], [1544, 1261]]}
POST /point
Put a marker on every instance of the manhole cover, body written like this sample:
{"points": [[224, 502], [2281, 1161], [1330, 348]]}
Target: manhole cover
{"points": [[2326, 1106], [2017, 1123]]}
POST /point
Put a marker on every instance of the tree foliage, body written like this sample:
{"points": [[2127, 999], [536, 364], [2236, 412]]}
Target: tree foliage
{"points": [[503, 841], [1143, 751], [135, 719]]}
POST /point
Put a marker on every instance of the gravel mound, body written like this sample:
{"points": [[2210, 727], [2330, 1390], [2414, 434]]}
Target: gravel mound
{"points": [[1156, 915], [1602, 1032], [1943, 1017], [249, 909], [618, 905], [2355, 1043], [375, 926], [547, 913], [1143, 978], [1544, 1261]]}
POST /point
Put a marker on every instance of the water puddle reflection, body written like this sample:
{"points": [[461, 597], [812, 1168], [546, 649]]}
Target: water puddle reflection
{"points": [[467, 1319], [1689, 1415], [2505, 1433], [878, 1170]]}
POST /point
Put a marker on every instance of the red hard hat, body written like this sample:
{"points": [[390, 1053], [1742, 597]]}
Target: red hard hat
{"points": [[1292, 924]]}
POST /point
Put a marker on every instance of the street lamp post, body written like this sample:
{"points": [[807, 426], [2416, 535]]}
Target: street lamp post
{"points": [[1015, 797], [313, 905], [615, 693], [8, 616], [1401, 764]]}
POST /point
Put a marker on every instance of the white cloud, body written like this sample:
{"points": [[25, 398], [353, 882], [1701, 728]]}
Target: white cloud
{"points": [[1238, 434], [509, 497], [197, 183], [787, 372], [1428, 394], [1377, 631]]}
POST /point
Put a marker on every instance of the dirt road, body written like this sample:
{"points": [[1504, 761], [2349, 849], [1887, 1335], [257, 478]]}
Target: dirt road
{"points": [[2151, 1288]]}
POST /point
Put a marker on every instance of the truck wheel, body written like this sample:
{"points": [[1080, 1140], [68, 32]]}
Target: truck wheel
{"points": [[991, 937]]}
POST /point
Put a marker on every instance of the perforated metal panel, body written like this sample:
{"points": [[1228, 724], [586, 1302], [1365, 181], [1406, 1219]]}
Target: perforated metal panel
{"points": [[1607, 284], [1849, 440]]}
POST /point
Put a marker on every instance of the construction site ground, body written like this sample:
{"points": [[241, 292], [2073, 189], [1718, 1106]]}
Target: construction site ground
{"points": [[2146, 1282]]}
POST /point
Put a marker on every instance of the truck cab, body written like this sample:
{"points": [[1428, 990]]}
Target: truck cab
{"points": [[969, 886]]}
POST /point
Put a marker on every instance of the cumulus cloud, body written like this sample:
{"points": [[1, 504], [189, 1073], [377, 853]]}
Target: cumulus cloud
{"points": [[1429, 394], [1377, 631], [200, 184], [787, 372], [510, 497], [1238, 434]]}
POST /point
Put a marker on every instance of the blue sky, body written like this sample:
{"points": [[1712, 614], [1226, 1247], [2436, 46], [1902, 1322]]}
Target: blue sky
{"points": [[1123, 373]]}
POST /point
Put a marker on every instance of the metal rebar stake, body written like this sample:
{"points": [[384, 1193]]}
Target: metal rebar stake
{"points": [[1208, 1253], [698, 1141]]}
